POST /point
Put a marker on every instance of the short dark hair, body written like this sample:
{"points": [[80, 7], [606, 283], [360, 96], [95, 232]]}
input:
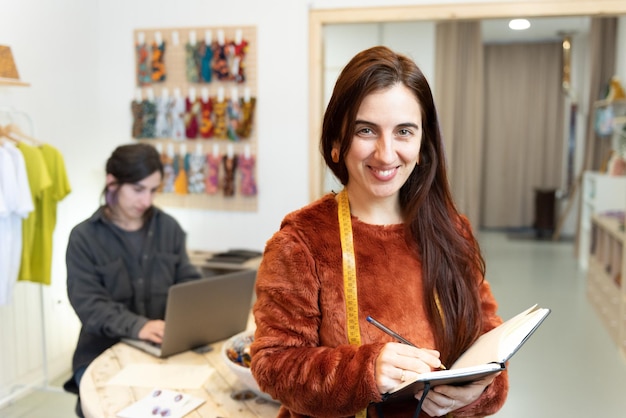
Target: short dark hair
{"points": [[134, 162], [130, 164]]}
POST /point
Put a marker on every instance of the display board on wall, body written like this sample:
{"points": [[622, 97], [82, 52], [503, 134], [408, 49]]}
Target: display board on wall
{"points": [[195, 100]]}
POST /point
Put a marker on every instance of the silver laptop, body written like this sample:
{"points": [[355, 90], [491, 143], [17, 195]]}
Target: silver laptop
{"points": [[202, 312]]}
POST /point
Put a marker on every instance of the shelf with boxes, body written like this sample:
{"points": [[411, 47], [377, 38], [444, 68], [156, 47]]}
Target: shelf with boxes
{"points": [[606, 287]]}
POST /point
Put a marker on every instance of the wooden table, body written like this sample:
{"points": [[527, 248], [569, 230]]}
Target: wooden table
{"points": [[202, 259], [100, 400]]}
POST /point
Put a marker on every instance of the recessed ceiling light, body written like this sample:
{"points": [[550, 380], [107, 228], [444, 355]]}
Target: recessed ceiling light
{"points": [[519, 24]]}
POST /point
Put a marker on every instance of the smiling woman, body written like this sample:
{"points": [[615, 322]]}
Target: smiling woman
{"points": [[381, 138]]}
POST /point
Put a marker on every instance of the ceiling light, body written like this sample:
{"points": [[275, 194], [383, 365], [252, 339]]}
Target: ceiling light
{"points": [[519, 24]]}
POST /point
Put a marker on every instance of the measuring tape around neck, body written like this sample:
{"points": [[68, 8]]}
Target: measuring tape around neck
{"points": [[349, 274], [349, 269], [349, 277]]}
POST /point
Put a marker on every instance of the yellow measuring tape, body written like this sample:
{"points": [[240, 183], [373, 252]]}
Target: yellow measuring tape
{"points": [[349, 274], [349, 277]]}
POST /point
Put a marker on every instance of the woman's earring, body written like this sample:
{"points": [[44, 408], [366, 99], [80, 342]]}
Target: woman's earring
{"points": [[334, 154], [109, 197]]}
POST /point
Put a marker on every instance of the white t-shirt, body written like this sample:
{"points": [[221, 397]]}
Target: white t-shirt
{"points": [[15, 204]]}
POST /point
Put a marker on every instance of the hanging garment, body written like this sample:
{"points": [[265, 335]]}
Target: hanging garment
{"points": [[244, 128], [219, 64], [212, 173], [48, 169], [197, 164], [47, 219], [248, 183], [168, 173], [238, 61], [206, 59], [7, 178], [230, 167], [15, 205], [234, 115], [149, 110], [163, 123], [206, 128], [192, 63], [180, 170], [144, 74], [221, 120], [158, 62], [137, 112], [38, 181], [177, 114], [192, 114]]}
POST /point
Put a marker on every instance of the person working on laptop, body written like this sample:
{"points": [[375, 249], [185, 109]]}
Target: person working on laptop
{"points": [[390, 245], [122, 260]]}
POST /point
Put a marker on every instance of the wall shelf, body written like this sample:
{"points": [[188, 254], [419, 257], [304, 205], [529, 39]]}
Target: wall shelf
{"points": [[12, 82], [606, 287], [605, 103]]}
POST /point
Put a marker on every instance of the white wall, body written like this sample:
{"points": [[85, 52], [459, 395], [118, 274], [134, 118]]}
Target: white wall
{"points": [[620, 70], [281, 115], [78, 57], [620, 57], [55, 48]]}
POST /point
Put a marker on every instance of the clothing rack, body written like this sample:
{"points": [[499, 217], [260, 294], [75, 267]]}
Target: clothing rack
{"points": [[11, 127], [23, 389], [10, 116], [15, 134]]}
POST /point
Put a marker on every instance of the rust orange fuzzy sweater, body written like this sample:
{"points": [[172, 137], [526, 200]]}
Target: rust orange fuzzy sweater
{"points": [[301, 355]]}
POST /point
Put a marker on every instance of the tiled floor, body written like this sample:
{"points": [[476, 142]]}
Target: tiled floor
{"points": [[50, 402], [569, 369]]}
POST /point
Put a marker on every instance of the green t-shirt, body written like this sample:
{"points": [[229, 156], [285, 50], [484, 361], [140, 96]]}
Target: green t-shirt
{"points": [[49, 184]]}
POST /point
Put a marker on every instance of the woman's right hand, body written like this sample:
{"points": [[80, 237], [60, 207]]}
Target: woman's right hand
{"points": [[153, 331], [398, 363]]}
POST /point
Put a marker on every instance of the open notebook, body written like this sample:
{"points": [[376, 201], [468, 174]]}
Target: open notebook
{"points": [[202, 312], [488, 355]]}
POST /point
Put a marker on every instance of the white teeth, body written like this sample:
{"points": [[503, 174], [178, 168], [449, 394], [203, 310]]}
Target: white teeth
{"points": [[385, 172]]}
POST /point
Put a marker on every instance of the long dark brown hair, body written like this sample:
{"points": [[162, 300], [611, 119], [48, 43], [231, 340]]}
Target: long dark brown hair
{"points": [[450, 254]]}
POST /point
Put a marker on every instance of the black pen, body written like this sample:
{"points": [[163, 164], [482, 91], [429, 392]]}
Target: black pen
{"points": [[394, 335]]}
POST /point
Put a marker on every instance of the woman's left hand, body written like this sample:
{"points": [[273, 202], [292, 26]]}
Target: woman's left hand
{"points": [[446, 398]]}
